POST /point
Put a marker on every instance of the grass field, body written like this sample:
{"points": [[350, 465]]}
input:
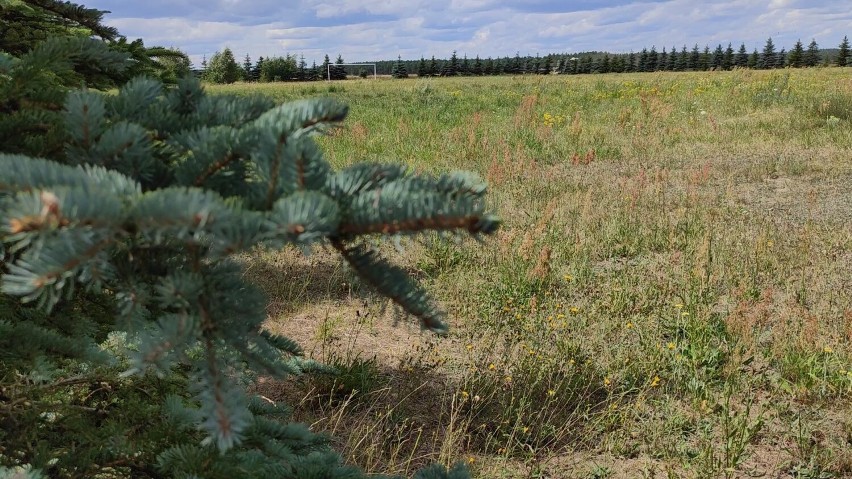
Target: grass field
{"points": [[670, 296]]}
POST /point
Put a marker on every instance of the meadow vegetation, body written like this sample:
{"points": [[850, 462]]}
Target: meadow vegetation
{"points": [[671, 295]]}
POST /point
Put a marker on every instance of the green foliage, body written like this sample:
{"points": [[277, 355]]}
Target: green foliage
{"points": [[399, 70], [223, 68], [27, 23], [337, 70], [767, 59], [812, 54], [451, 67], [797, 55], [168, 64], [278, 69], [32, 89], [843, 56], [136, 314]]}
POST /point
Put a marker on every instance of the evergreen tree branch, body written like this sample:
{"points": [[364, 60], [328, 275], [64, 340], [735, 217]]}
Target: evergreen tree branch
{"points": [[214, 168], [394, 283], [415, 204], [473, 224], [87, 17]]}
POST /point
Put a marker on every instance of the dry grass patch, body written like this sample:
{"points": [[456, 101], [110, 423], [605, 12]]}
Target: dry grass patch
{"points": [[670, 295]]}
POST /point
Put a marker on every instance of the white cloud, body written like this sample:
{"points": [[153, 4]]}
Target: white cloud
{"points": [[383, 29]]}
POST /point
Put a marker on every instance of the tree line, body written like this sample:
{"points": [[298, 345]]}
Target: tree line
{"points": [[223, 67]]}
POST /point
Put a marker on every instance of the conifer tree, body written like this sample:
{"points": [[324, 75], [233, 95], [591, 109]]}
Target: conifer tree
{"points": [[672, 63], [527, 65], [247, 65], [119, 226], [694, 59], [663, 61], [586, 64], [433, 66], [741, 60], [29, 23], [605, 64], [616, 65], [653, 59], [781, 59], [754, 59], [546, 66], [642, 65], [718, 58], [728, 58], [516, 66], [258, 67], [682, 60], [26, 23], [767, 58], [796, 57], [314, 72], [451, 67], [338, 71], [812, 54], [843, 52], [399, 70], [464, 67], [501, 66], [477, 69], [325, 68], [421, 68], [631, 63], [705, 59], [174, 67], [302, 69], [532, 65]]}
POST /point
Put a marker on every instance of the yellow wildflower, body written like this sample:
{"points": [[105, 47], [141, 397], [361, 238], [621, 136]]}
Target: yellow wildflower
{"points": [[827, 350], [671, 345]]}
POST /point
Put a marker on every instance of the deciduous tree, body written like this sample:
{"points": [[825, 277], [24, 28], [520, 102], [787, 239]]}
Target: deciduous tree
{"points": [[222, 68]]}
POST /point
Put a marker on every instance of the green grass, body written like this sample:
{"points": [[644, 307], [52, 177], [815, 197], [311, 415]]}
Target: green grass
{"points": [[670, 295]]}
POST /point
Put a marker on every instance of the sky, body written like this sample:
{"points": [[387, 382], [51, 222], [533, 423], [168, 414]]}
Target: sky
{"points": [[365, 30]]}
